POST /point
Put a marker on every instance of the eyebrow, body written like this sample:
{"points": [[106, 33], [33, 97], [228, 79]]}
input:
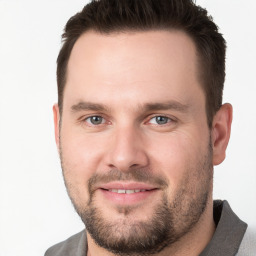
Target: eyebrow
{"points": [[170, 105], [83, 106]]}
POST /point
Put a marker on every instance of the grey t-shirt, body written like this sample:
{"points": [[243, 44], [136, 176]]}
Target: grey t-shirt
{"points": [[228, 234], [226, 240]]}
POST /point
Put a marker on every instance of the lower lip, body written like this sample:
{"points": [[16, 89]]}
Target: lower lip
{"points": [[127, 199]]}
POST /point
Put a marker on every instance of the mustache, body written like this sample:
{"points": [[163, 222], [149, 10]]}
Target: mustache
{"points": [[136, 175]]}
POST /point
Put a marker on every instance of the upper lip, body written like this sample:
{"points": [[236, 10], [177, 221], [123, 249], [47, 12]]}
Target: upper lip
{"points": [[127, 186]]}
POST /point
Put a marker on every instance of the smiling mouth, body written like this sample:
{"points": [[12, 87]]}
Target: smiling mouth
{"points": [[127, 191], [127, 195]]}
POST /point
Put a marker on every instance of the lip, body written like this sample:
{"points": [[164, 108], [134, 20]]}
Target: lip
{"points": [[125, 199], [127, 186]]}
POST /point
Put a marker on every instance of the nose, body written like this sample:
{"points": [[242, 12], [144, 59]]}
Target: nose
{"points": [[127, 150]]}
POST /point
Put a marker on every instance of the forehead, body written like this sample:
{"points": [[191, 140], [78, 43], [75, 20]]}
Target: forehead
{"points": [[139, 65]]}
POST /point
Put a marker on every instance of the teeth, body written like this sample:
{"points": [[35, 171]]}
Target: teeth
{"points": [[128, 191]]}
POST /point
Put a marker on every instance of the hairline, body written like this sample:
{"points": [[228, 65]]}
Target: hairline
{"points": [[116, 31]]}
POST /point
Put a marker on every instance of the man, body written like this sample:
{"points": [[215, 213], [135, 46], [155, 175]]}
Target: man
{"points": [[139, 125]]}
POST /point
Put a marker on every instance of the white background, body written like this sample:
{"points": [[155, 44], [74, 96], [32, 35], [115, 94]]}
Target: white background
{"points": [[35, 211]]}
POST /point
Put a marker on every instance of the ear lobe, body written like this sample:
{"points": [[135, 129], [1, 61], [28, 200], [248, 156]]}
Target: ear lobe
{"points": [[221, 128], [56, 116]]}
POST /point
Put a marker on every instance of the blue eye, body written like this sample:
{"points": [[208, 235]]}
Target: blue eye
{"points": [[160, 120], [95, 120]]}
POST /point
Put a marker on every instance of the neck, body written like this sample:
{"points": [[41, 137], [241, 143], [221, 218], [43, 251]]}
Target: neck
{"points": [[191, 244]]}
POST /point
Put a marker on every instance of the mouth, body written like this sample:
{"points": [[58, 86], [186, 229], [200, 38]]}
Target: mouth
{"points": [[127, 193]]}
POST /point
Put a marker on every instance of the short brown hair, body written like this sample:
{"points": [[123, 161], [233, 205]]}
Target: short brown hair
{"points": [[106, 16]]}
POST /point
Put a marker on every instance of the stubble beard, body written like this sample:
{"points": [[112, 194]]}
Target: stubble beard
{"points": [[168, 223]]}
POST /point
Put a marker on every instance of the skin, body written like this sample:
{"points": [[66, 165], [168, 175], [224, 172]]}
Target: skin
{"points": [[125, 72]]}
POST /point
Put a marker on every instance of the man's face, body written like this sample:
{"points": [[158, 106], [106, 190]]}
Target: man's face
{"points": [[134, 141]]}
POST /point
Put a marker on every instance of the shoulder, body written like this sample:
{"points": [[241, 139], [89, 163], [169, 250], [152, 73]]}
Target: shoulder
{"points": [[248, 244], [76, 245]]}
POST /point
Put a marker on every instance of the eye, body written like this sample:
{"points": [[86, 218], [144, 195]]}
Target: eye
{"points": [[160, 120], [95, 120]]}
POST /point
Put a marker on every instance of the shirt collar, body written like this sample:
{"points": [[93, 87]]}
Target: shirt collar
{"points": [[228, 234]]}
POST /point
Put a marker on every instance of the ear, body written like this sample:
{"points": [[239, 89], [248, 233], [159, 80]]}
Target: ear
{"points": [[56, 116], [221, 128]]}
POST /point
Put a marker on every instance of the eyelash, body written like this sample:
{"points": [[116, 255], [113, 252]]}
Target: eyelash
{"points": [[84, 120], [169, 120], [90, 124]]}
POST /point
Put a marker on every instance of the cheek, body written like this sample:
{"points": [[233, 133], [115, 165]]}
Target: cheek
{"points": [[80, 159], [80, 149], [176, 155]]}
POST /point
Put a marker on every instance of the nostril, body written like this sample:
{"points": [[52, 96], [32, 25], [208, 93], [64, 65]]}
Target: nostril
{"points": [[134, 166]]}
